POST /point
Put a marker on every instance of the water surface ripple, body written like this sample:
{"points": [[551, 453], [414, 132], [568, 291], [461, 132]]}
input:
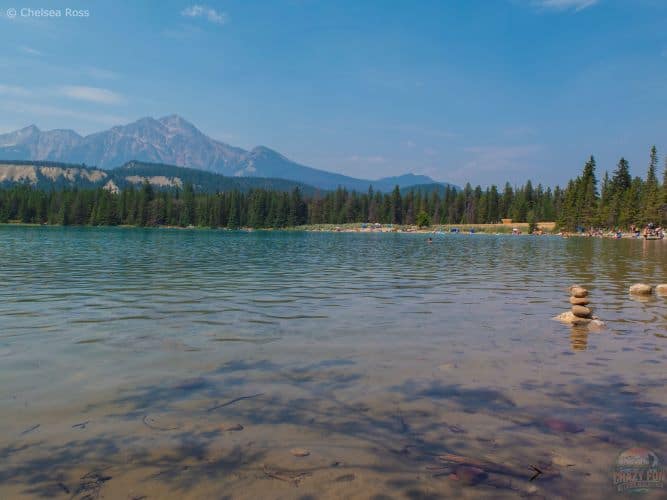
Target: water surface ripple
{"points": [[130, 354]]}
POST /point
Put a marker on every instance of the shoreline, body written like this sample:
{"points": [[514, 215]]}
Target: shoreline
{"points": [[545, 228]]}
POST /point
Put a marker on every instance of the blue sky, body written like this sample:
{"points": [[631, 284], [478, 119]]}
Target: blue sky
{"points": [[470, 90]]}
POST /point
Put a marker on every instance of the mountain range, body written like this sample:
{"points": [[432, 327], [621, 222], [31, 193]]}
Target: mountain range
{"points": [[171, 140], [48, 175]]}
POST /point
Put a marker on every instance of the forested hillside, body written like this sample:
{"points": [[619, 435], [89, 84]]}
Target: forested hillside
{"points": [[618, 201]]}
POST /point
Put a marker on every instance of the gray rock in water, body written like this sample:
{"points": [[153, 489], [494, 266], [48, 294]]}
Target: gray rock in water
{"points": [[569, 318], [641, 289], [231, 427], [299, 452], [470, 475], [558, 425], [593, 323], [582, 311]]}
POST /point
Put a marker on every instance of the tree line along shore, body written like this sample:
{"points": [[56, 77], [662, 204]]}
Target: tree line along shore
{"points": [[618, 201]]}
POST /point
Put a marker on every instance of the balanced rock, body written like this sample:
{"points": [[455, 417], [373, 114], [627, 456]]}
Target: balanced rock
{"points": [[582, 311], [578, 292], [579, 301], [661, 289], [641, 289]]}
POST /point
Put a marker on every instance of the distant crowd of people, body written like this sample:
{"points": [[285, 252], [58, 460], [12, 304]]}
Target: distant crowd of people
{"points": [[650, 231]]}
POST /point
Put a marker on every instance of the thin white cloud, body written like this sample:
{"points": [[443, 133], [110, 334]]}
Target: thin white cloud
{"points": [[30, 51], [14, 91], [91, 94], [575, 5], [205, 12]]}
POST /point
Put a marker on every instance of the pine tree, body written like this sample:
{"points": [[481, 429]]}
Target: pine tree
{"points": [[568, 214], [409, 214], [372, 206], [651, 192], [396, 206], [188, 212], [64, 216], [605, 207], [631, 211], [587, 195], [492, 211], [234, 221], [663, 208], [621, 178], [507, 201], [298, 209]]}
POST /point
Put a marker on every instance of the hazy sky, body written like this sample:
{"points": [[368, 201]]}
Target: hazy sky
{"points": [[469, 90]]}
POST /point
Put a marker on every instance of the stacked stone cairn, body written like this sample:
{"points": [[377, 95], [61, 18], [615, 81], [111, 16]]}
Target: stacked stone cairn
{"points": [[579, 300], [580, 314]]}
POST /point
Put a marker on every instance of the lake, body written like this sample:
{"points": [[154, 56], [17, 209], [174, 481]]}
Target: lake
{"points": [[164, 363]]}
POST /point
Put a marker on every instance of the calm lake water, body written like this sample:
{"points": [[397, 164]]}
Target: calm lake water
{"points": [[196, 364]]}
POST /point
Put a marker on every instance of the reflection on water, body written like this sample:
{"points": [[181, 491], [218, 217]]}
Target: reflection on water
{"points": [[205, 364], [579, 338]]}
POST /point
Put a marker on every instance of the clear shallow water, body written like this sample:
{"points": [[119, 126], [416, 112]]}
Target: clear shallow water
{"points": [[377, 353]]}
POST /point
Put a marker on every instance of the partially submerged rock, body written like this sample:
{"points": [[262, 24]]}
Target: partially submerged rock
{"points": [[468, 474], [558, 425], [300, 452], [593, 323], [231, 427], [661, 290], [562, 460], [641, 289]]}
